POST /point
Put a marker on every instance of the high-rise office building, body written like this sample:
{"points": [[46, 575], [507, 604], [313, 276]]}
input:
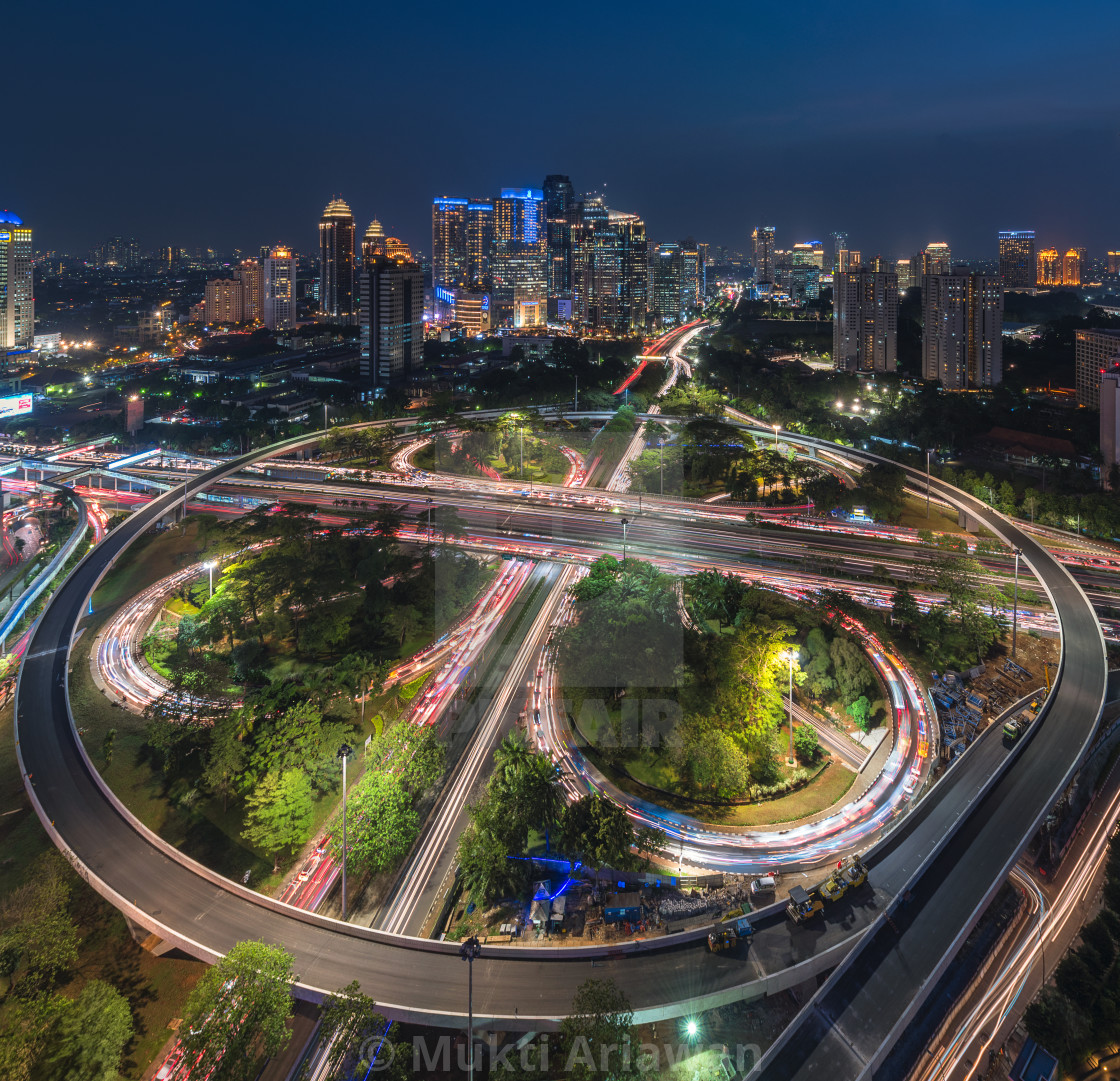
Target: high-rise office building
{"points": [[224, 301], [839, 244], [519, 264], [559, 206], [1113, 260], [1071, 267], [665, 283], [1048, 269], [449, 242], [249, 274], [1109, 395], [1016, 258], [962, 337], [936, 258], [373, 243], [391, 321], [902, 270], [278, 289], [847, 260], [611, 270], [480, 241], [807, 253], [17, 284], [1084, 274], [336, 262], [1094, 352], [395, 248], [763, 240], [865, 321], [692, 274]]}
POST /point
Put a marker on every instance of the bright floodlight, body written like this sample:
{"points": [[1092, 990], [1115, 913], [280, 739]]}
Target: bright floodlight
{"points": [[691, 1028], [210, 564]]}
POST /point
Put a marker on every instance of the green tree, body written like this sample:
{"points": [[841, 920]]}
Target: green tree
{"points": [[89, 1035], [806, 742], [597, 1035], [382, 823], [849, 667], [860, 711], [237, 1014], [38, 928], [483, 858], [225, 759], [351, 1025], [279, 813], [414, 753], [596, 830]]}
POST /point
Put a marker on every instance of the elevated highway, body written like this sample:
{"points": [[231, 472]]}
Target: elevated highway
{"points": [[204, 914]]}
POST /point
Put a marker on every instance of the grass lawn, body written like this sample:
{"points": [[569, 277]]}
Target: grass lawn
{"points": [[939, 520]]}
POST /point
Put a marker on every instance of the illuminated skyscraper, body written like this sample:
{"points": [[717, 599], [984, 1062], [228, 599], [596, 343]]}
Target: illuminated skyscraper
{"points": [[336, 267], [962, 338], [839, 244], [936, 258], [17, 284], [865, 321], [224, 301], [249, 274], [665, 283], [902, 271], [1114, 262], [1016, 258], [278, 288], [763, 238], [559, 202], [519, 264], [1071, 267], [391, 321], [480, 241], [449, 242], [808, 253], [373, 243], [1049, 267], [1094, 352]]}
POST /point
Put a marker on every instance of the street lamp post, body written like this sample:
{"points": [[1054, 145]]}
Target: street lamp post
{"points": [[344, 752], [775, 427], [469, 951], [661, 452], [792, 654], [625, 523], [927, 483], [1015, 606], [521, 441], [210, 565], [429, 523]]}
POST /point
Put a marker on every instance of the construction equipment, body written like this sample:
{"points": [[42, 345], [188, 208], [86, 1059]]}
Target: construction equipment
{"points": [[836, 885], [803, 906], [855, 872], [718, 941]]}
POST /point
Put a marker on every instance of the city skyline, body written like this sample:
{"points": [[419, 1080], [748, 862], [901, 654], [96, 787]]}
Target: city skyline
{"points": [[703, 154]]}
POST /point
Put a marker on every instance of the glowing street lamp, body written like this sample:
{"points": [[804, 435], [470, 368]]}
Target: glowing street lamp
{"points": [[210, 565], [625, 524], [775, 427], [344, 752]]}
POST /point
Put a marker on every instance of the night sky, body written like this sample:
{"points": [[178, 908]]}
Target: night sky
{"points": [[232, 124]]}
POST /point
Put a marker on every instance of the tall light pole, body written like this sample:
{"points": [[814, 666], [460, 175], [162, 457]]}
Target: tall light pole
{"points": [[927, 483], [210, 565], [521, 440], [429, 522], [775, 427], [469, 952], [344, 752], [792, 654], [625, 523], [1015, 606], [661, 451]]}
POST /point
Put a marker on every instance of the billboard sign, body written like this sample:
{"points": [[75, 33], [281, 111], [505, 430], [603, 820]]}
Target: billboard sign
{"points": [[15, 405]]}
